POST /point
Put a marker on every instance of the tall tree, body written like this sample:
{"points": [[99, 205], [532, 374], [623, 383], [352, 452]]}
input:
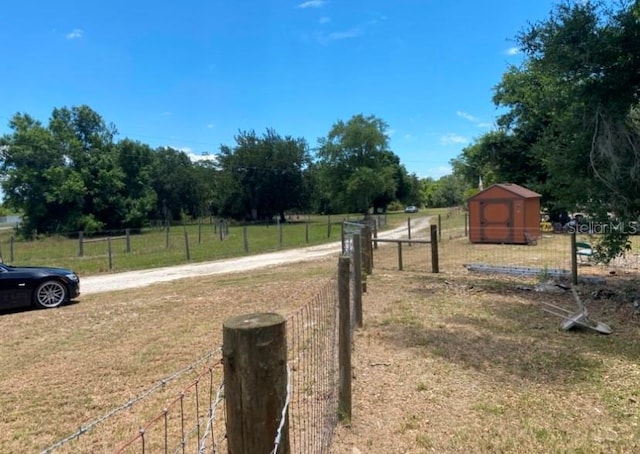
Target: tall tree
{"points": [[571, 123], [356, 167], [264, 175]]}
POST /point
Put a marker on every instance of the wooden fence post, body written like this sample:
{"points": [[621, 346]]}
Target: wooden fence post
{"points": [[344, 341], [186, 243], [435, 266], [329, 226], [357, 278], [80, 244], [409, 227], [367, 249], [109, 253], [245, 238], [400, 255], [306, 231], [279, 234], [166, 236], [127, 233], [254, 355]]}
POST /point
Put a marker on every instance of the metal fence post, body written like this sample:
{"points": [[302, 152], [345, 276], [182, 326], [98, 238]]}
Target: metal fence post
{"points": [[574, 259]]}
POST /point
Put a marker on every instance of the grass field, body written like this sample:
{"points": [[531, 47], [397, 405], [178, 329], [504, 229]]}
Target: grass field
{"points": [[179, 244]]}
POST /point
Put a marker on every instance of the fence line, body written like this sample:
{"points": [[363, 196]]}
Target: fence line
{"points": [[312, 344], [129, 404], [174, 431]]}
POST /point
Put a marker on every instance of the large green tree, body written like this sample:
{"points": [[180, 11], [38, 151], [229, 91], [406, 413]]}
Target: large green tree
{"points": [[64, 176], [356, 169], [570, 128], [263, 175]]}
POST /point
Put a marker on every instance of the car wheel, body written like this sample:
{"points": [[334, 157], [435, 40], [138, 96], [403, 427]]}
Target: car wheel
{"points": [[50, 294]]}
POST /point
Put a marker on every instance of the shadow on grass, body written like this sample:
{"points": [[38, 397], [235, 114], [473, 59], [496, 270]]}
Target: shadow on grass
{"points": [[19, 310]]}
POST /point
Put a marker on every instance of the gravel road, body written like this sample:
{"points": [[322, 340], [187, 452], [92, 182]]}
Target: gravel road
{"points": [[143, 278]]}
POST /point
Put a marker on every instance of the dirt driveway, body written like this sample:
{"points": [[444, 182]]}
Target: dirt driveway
{"points": [[143, 278]]}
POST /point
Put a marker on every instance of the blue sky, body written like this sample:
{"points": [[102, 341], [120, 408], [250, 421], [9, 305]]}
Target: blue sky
{"points": [[191, 74]]}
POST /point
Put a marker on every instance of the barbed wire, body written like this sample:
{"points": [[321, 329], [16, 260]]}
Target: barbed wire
{"points": [[127, 405], [212, 415], [283, 416]]}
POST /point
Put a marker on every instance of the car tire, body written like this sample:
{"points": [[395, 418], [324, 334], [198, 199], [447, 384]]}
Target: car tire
{"points": [[50, 294]]}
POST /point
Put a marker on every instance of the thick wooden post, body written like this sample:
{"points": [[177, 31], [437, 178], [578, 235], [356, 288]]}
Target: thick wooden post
{"points": [[400, 255], [344, 341], [254, 354], [166, 236], [574, 259], [409, 227], [435, 266], [329, 226], [367, 249], [357, 278]]}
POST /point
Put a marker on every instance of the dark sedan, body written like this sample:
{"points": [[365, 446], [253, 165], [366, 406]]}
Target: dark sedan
{"points": [[42, 287]]}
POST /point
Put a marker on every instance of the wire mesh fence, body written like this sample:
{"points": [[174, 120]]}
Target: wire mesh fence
{"points": [[312, 340]]}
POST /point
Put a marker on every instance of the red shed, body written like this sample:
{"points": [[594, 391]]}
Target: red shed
{"points": [[504, 213]]}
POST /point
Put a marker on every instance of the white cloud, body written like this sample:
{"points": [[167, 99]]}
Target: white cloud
{"points": [[391, 132], [438, 172], [512, 51], [210, 126], [76, 33], [312, 4], [324, 20], [467, 116], [166, 113], [348, 34], [452, 139], [204, 156], [407, 137], [473, 119]]}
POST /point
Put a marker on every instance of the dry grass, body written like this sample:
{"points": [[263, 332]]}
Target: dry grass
{"points": [[63, 368], [466, 363], [446, 363]]}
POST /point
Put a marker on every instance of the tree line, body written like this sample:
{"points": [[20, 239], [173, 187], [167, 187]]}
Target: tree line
{"points": [[72, 174]]}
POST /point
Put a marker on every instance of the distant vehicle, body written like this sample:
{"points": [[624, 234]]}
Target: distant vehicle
{"points": [[411, 209], [42, 287]]}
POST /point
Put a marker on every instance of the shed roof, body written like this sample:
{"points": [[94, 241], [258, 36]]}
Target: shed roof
{"points": [[516, 189]]}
